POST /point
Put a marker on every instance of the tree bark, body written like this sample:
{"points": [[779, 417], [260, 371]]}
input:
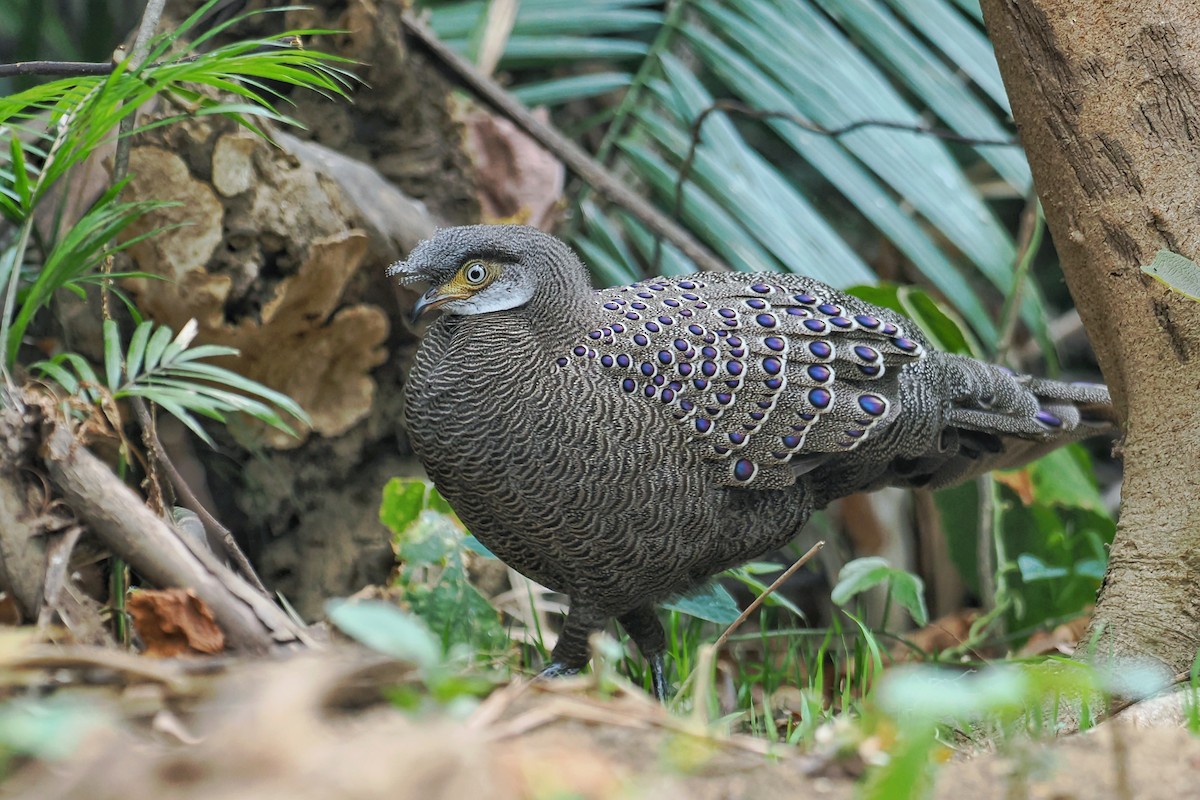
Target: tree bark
{"points": [[251, 622], [1106, 97]]}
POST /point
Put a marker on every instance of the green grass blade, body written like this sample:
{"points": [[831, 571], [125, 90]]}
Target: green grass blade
{"points": [[137, 349], [112, 354]]}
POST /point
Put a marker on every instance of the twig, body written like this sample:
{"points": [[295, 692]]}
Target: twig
{"points": [[141, 47], [87, 69], [750, 609], [66, 69], [1029, 240], [191, 501], [572, 155], [119, 518], [115, 665], [758, 601]]}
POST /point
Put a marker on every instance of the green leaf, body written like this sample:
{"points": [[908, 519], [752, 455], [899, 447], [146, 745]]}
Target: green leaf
{"points": [[1032, 569], [52, 728], [403, 500], [660, 257], [909, 60], [478, 548], [862, 574], [711, 602], [112, 354], [438, 503], [386, 628], [211, 372], [62, 376], [180, 413], [1063, 478], [137, 348], [158, 343], [943, 329], [535, 51], [1175, 271], [82, 368], [202, 351], [180, 343], [571, 88], [20, 177]]}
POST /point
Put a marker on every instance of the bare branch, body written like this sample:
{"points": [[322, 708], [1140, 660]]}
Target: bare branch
{"points": [[118, 517], [572, 155], [65, 69]]}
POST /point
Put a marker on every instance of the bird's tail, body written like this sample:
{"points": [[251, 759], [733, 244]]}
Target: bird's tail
{"points": [[996, 419]]}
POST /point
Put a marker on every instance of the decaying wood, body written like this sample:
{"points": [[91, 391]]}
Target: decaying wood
{"points": [[575, 157], [394, 222], [115, 514], [1107, 100], [22, 542]]}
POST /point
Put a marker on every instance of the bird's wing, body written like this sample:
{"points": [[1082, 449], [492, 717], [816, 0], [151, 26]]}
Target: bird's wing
{"points": [[768, 374]]}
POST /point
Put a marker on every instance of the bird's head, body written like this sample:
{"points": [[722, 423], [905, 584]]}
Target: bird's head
{"points": [[477, 269]]}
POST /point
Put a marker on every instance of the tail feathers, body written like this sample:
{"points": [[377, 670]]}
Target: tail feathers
{"points": [[995, 419]]}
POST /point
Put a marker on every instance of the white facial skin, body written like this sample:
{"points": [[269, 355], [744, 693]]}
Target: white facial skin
{"points": [[507, 291]]}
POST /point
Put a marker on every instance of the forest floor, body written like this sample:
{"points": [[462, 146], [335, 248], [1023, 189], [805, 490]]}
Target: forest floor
{"points": [[342, 723]]}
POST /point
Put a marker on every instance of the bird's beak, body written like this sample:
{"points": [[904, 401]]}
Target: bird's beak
{"points": [[434, 297], [410, 273]]}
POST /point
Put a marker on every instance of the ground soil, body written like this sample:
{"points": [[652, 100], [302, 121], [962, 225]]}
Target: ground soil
{"points": [[316, 726]]}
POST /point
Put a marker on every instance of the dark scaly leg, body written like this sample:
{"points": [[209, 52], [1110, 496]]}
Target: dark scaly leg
{"points": [[643, 627], [572, 652]]}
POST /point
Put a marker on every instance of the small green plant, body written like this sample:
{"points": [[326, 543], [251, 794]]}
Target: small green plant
{"points": [[903, 588], [49, 129], [914, 708], [431, 549], [49, 728], [166, 369], [394, 632]]}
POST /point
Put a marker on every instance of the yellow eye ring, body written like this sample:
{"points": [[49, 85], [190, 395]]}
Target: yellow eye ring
{"points": [[475, 273]]}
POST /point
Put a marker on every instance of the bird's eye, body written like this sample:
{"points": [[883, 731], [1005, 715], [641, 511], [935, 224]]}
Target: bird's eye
{"points": [[475, 273]]}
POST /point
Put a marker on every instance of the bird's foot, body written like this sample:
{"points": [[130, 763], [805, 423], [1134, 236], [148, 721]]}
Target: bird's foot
{"points": [[658, 677], [557, 669], [658, 674]]}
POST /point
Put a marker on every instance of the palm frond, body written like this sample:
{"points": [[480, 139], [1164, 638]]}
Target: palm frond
{"points": [[769, 190], [166, 369]]}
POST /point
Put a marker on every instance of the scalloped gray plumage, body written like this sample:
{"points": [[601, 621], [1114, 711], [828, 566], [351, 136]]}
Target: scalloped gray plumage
{"points": [[623, 445]]}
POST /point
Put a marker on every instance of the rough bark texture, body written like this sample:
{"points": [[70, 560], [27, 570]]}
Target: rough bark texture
{"points": [[1107, 100], [283, 257], [22, 529], [112, 510]]}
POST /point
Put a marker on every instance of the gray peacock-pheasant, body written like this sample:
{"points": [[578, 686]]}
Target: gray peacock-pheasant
{"points": [[621, 446]]}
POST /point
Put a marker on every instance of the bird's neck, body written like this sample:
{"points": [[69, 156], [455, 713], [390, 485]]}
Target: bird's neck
{"points": [[544, 328]]}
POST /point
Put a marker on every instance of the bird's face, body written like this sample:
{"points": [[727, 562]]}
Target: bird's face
{"points": [[476, 269]]}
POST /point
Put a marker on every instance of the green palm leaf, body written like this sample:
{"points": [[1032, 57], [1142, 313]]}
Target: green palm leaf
{"points": [[770, 194]]}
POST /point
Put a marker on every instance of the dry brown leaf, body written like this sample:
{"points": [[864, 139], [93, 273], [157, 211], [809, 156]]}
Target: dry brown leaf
{"points": [[518, 180], [1059, 641], [943, 633], [174, 622], [1020, 481], [301, 341]]}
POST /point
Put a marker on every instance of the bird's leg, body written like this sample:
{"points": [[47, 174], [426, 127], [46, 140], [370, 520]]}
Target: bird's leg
{"points": [[643, 627], [572, 652]]}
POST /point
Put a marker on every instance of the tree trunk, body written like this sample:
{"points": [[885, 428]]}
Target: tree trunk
{"points": [[1106, 96]]}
